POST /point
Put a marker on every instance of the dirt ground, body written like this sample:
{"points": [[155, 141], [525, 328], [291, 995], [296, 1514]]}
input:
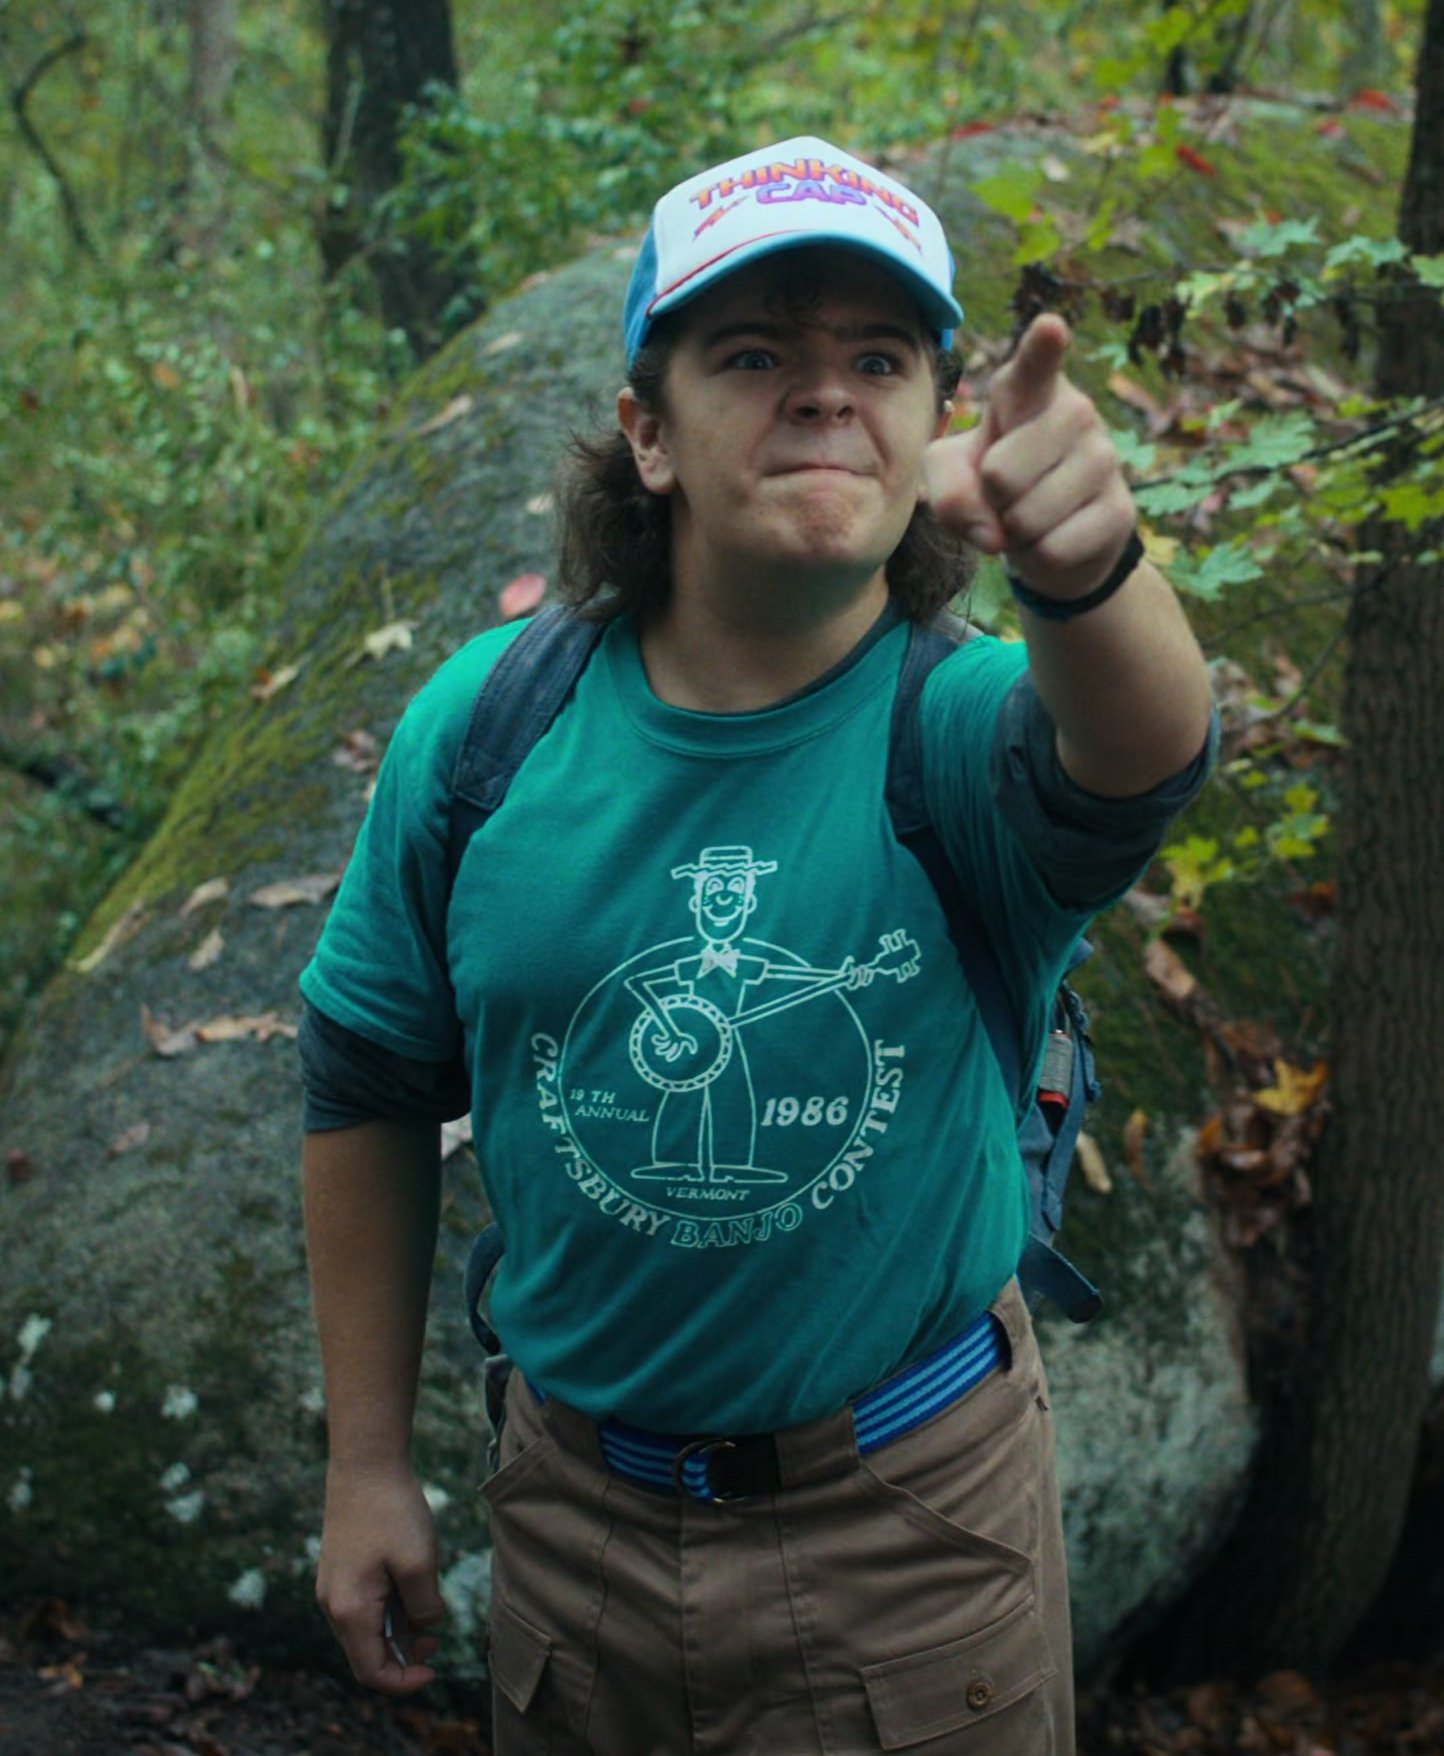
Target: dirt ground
{"points": [[66, 1691]]}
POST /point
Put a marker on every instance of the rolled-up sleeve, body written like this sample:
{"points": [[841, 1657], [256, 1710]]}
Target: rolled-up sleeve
{"points": [[349, 1080], [1088, 849]]}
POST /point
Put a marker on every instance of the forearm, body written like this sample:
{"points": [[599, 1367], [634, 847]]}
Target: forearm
{"points": [[1126, 686], [371, 1198]]}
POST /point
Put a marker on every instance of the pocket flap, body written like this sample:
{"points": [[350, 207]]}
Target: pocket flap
{"points": [[948, 1688], [519, 1655]]}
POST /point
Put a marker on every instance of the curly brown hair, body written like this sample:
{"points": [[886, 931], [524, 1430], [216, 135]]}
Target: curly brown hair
{"points": [[615, 543]]}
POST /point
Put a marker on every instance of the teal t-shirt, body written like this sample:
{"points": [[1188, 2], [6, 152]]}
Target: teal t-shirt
{"points": [[733, 1102]]}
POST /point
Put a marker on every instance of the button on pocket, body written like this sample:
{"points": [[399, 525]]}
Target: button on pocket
{"points": [[966, 1683]]}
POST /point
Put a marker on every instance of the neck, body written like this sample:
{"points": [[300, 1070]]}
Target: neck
{"points": [[739, 651]]}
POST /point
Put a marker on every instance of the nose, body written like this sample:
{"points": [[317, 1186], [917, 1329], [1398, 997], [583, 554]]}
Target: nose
{"points": [[820, 394]]}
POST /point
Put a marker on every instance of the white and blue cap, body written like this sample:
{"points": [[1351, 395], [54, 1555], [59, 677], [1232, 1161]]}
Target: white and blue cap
{"points": [[782, 197]]}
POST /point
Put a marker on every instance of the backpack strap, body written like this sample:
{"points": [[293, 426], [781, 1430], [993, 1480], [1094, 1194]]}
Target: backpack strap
{"points": [[522, 695], [907, 807], [1046, 1141]]}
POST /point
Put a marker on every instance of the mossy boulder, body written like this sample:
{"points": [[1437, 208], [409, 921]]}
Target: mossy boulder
{"points": [[161, 1442]]}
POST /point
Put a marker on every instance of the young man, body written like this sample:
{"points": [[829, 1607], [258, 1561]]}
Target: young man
{"points": [[777, 1472]]}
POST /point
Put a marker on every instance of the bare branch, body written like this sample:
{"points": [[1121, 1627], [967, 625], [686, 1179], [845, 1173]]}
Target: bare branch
{"points": [[19, 99]]}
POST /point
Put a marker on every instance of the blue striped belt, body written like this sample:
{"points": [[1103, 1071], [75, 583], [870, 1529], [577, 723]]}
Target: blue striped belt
{"points": [[716, 1467]]}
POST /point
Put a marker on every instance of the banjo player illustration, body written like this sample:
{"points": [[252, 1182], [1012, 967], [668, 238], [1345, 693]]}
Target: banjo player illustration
{"points": [[687, 1041]]}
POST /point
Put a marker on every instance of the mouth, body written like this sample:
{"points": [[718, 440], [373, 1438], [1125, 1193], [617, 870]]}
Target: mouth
{"points": [[818, 469]]}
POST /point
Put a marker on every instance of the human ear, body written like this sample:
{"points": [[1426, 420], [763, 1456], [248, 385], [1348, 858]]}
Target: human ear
{"points": [[643, 430]]}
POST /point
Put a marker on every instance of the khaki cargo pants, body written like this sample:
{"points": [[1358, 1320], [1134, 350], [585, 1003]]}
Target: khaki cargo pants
{"points": [[914, 1599]]}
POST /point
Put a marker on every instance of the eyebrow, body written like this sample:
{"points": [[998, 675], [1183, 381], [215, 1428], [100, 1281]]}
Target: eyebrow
{"points": [[848, 332]]}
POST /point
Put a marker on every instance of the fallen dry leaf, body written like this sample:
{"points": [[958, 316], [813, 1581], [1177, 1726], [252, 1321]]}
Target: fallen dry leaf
{"points": [[66, 1675], [394, 637], [262, 1026], [213, 890], [1132, 394], [1167, 970], [286, 892], [1296, 1090], [454, 410], [167, 1042], [1135, 1131], [1318, 901], [522, 596], [358, 751], [269, 683], [539, 504], [1092, 1165], [119, 932], [503, 342], [136, 1135], [207, 952]]}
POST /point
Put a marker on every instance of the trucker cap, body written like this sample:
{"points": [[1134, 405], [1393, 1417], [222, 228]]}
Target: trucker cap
{"points": [[799, 192]]}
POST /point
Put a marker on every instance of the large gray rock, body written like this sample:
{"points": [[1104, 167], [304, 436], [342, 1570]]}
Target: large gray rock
{"points": [[161, 1438], [1155, 1428]]}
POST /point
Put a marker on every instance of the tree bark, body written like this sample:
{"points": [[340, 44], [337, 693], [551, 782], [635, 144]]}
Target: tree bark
{"points": [[1343, 1404], [381, 56], [214, 53]]}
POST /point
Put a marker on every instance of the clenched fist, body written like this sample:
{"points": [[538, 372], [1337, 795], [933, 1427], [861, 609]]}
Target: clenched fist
{"points": [[1037, 479]]}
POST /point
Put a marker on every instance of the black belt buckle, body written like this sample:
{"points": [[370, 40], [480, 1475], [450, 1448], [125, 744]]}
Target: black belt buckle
{"points": [[746, 1467]]}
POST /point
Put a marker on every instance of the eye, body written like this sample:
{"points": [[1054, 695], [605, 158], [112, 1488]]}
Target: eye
{"points": [[753, 360], [879, 365]]}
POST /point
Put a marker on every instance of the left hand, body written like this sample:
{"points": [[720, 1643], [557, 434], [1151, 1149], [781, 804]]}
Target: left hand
{"points": [[1037, 479]]}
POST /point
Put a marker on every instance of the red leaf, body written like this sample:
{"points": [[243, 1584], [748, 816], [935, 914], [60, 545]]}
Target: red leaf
{"points": [[969, 130], [1332, 128], [1369, 99], [522, 596], [1186, 155]]}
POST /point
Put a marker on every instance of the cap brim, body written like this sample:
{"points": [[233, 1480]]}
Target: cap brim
{"points": [[941, 313]]}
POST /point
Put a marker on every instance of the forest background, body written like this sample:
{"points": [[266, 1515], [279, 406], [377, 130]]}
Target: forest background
{"points": [[231, 231]]}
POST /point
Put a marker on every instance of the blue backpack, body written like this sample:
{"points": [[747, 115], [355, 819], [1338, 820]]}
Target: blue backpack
{"points": [[523, 694]]}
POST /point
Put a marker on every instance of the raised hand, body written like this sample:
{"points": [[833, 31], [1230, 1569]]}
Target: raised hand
{"points": [[1037, 479]]}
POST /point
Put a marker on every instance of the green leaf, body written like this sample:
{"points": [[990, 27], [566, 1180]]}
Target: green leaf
{"points": [[1013, 192], [1165, 499], [1264, 239], [1038, 239], [1365, 252], [1318, 732], [1412, 505], [1134, 454], [1256, 494], [1227, 564], [1430, 270], [1273, 444]]}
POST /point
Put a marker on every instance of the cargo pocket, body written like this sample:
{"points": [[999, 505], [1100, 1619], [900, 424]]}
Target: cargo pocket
{"points": [[968, 1687], [519, 1655]]}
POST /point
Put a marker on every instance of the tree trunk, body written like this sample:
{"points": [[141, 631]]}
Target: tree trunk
{"points": [[381, 56], [1343, 1404], [211, 26]]}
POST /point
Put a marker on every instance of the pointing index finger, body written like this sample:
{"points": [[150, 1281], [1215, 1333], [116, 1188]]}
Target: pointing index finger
{"points": [[1025, 386]]}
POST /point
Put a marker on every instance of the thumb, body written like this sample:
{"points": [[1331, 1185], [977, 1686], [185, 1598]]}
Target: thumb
{"points": [[953, 487], [1027, 384]]}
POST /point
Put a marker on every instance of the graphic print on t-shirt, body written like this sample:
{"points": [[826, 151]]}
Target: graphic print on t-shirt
{"points": [[710, 1086]]}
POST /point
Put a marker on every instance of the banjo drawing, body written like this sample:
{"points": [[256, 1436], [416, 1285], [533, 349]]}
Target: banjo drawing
{"points": [[681, 1041]]}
